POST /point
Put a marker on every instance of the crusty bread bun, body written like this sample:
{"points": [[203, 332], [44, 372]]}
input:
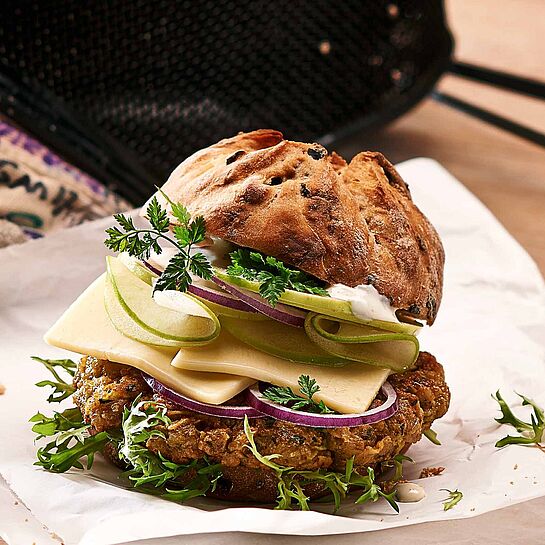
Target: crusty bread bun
{"points": [[343, 223]]}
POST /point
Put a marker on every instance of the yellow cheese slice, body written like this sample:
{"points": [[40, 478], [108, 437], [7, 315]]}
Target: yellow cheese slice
{"points": [[86, 329], [348, 389]]}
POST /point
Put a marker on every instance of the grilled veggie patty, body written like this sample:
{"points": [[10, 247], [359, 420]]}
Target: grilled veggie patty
{"points": [[104, 388]]}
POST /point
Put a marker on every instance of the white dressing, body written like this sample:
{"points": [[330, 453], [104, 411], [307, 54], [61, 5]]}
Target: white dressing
{"points": [[366, 302], [409, 492]]}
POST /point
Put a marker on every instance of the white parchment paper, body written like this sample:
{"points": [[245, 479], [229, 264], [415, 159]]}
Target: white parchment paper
{"points": [[490, 334]]}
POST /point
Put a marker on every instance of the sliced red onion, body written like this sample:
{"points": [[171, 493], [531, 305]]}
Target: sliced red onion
{"points": [[222, 411], [151, 268], [282, 313], [270, 408], [219, 298], [209, 294]]}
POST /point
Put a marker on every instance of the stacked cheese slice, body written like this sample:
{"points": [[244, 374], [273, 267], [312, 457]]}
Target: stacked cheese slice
{"points": [[210, 374]]}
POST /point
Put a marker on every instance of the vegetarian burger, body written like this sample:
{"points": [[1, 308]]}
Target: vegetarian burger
{"points": [[257, 339]]}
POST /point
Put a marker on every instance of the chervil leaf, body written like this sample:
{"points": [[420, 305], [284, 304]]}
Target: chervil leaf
{"points": [[274, 276], [272, 287], [157, 216], [179, 211], [531, 432], [175, 276], [454, 497], [286, 396], [141, 242], [199, 265], [126, 222]]}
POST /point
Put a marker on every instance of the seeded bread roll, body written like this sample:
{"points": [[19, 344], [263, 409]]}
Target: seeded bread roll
{"points": [[343, 223]]}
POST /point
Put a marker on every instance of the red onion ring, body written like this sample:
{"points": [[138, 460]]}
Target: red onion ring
{"points": [[151, 268], [221, 411], [222, 299], [280, 412], [282, 313]]}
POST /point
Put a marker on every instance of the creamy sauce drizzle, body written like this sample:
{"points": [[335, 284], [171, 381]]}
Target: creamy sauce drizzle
{"points": [[410, 492], [366, 302]]}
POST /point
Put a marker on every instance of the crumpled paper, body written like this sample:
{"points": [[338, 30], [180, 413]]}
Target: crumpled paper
{"points": [[489, 335]]}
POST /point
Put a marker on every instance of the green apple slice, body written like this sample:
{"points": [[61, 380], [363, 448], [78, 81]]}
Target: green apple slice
{"points": [[330, 306], [363, 343], [284, 341], [135, 266], [128, 327], [193, 324]]}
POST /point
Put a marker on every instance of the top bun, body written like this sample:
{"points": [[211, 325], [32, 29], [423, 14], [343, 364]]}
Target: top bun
{"points": [[343, 223]]}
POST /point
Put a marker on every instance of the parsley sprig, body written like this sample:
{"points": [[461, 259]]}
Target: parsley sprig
{"points": [[531, 433], [291, 482], [305, 402], [274, 276], [454, 497], [141, 242]]}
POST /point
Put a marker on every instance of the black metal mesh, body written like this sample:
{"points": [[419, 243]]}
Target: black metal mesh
{"points": [[166, 78]]}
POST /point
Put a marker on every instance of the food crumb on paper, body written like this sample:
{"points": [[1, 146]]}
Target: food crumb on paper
{"points": [[2, 389], [431, 472], [516, 466]]}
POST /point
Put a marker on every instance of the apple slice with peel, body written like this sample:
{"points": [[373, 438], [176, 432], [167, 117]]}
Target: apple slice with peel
{"points": [[330, 306], [363, 343], [191, 324], [128, 327], [284, 341], [135, 266]]}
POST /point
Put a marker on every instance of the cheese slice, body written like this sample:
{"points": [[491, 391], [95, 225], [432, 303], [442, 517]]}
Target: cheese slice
{"points": [[86, 329], [348, 389]]}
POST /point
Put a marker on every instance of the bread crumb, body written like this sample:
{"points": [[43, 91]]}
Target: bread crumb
{"points": [[2, 389], [516, 466], [431, 472], [511, 482]]}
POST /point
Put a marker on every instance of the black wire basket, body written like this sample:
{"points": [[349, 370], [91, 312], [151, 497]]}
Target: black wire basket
{"points": [[133, 87]]}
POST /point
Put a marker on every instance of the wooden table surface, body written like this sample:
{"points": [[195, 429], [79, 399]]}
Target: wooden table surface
{"points": [[504, 171]]}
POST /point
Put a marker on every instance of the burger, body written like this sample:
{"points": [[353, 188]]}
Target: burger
{"points": [[256, 337]]}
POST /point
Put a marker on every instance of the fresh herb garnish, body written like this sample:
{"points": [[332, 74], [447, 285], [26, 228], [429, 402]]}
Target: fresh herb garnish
{"points": [[531, 433], [274, 276], [432, 436], [141, 242], [69, 443], [61, 388], [286, 396], [291, 482], [454, 497], [396, 463], [148, 472]]}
